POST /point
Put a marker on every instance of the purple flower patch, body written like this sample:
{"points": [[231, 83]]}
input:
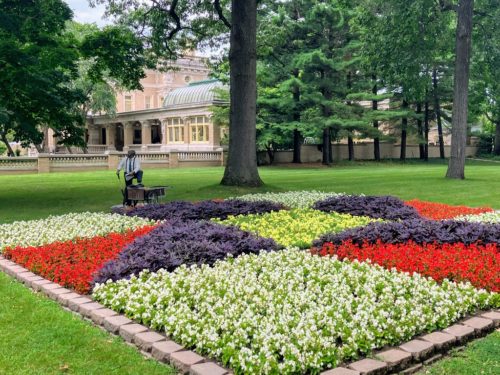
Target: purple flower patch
{"points": [[182, 242], [377, 207], [418, 231], [203, 210]]}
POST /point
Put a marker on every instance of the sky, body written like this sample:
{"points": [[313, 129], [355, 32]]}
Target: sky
{"points": [[86, 14]]}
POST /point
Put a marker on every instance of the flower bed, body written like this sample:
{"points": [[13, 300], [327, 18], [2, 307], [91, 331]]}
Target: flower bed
{"points": [[203, 210], [440, 211], [478, 264], [297, 227], [290, 199], [73, 263], [288, 311], [174, 244], [378, 207], [488, 217], [65, 227], [418, 231]]}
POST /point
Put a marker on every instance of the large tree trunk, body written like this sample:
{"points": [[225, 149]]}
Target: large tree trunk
{"points": [[420, 131], [330, 146], [404, 127], [376, 140], [496, 149], [350, 146], [426, 130], [241, 168], [326, 157], [456, 166], [297, 137], [297, 142], [437, 109]]}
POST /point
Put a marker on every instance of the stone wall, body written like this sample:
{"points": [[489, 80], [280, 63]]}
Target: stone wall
{"points": [[362, 151]]}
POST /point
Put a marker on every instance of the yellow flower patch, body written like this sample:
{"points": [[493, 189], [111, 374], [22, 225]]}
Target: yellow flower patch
{"points": [[298, 227]]}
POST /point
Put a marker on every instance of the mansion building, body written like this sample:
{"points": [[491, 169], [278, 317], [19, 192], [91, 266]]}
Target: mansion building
{"points": [[172, 112]]}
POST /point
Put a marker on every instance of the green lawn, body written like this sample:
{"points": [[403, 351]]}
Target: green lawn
{"points": [[481, 357], [38, 195], [39, 337]]}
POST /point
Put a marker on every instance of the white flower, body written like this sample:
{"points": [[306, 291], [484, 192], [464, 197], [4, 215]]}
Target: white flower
{"points": [[291, 199], [288, 311], [66, 227]]}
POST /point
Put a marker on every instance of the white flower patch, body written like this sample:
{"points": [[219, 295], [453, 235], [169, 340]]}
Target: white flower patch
{"points": [[487, 217], [288, 311], [291, 199], [66, 227]]}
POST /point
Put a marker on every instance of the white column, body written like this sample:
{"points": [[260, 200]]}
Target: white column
{"points": [[145, 135], [110, 137], [128, 135], [164, 135]]}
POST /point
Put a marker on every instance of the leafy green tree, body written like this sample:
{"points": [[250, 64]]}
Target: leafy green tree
{"points": [[485, 68], [54, 71], [36, 65], [170, 27]]}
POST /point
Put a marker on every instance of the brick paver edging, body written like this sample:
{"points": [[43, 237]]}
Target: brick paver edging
{"points": [[146, 340], [407, 358]]}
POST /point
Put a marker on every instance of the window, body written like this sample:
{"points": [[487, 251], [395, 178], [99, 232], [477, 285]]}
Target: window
{"points": [[147, 102], [199, 129], [175, 128], [161, 101], [128, 103], [187, 79]]}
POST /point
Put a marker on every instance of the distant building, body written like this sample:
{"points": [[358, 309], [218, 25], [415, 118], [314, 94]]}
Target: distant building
{"points": [[183, 123], [172, 112]]}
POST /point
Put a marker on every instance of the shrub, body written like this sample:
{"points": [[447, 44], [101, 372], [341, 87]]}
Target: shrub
{"points": [[73, 263], [383, 207], [418, 231], [297, 227], [440, 211], [203, 210], [176, 243], [478, 264]]}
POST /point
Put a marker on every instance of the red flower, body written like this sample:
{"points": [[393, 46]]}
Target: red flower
{"points": [[479, 264], [73, 263], [440, 211]]}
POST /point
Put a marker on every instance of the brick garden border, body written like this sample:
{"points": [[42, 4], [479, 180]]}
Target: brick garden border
{"points": [[407, 358]]}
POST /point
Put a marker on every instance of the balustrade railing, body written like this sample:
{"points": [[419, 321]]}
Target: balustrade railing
{"points": [[200, 156], [81, 160], [45, 163], [18, 164]]}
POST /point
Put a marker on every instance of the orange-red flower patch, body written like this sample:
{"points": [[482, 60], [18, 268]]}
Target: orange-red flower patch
{"points": [[440, 211], [73, 263], [477, 263]]}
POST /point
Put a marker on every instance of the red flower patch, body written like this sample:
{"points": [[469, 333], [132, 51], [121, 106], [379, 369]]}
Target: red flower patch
{"points": [[73, 263], [479, 264], [440, 211]]}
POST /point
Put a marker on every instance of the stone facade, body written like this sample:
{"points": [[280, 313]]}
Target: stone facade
{"points": [[183, 123], [157, 85]]}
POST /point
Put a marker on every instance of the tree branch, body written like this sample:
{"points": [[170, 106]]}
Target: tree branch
{"points": [[220, 13], [446, 5], [489, 117]]}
